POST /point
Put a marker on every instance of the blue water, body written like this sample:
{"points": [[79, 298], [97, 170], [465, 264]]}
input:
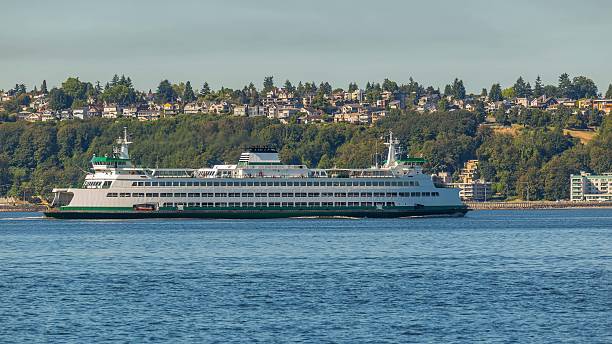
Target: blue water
{"points": [[492, 277]]}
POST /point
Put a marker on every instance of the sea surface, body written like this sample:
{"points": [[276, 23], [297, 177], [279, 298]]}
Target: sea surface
{"points": [[492, 277]]}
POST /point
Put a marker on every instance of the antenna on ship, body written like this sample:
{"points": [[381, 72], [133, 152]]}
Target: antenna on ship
{"points": [[123, 145], [391, 154]]}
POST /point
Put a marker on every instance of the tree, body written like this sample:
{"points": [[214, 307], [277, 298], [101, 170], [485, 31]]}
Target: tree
{"points": [[390, 86], [268, 84], [165, 92], [326, 88], [538, 89], [353, 87], [114, 80], [76, 89], [496, 93], [483, 93], [43, 87], [458, 89], [205, 90], [448, 90], [508, 93], [583, 87], [188, 94], [289, 87], [520, 88], [565, 86], [59, 100]]}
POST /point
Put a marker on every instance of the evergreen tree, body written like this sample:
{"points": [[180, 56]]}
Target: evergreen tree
{"points": [[300, 90], [448, 90], [565, 86], [520, 89], [483, 93], [325, 88], [115, 80], [205, 90], [188, 94], [389, 86], [538, 88], [353, 87], [458, 89], [289, 87], [609, 92], [528, 90], [496, 93], [43, 87], [268, 84]]}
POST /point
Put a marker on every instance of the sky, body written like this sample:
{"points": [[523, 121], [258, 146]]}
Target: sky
{"points": [[231, 43]]}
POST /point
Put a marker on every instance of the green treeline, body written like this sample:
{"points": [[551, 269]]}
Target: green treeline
{"points": [[35, 157]]}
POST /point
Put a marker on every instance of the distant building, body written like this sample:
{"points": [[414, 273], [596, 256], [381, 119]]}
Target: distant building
{"points": [[111, 111], [604, 105], [590, 187], [192, 108], [470, 188]]}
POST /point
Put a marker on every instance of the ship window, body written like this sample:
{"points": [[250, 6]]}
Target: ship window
{"points": [[189, 184], [416, 184], [154, 183], [393, 183], [276, 184], [124, 195], [368, 183], [269, 183], [134, 183], [145, 184], [111, 194], [255, 183]]}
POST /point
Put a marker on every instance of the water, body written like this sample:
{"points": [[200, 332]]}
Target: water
{"points": [[494, 276]]}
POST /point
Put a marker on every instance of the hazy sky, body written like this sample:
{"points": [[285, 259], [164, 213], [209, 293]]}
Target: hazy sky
{"points": [[231, 43]]}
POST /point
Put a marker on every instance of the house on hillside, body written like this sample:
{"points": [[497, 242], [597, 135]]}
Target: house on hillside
{"points": [[192, 108], [542, 102], [604, 105], [111, 111]]}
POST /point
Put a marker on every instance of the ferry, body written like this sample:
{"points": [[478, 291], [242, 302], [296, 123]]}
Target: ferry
{"points": [[258, 186]]}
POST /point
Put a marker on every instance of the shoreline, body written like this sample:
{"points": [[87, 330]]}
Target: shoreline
{"points": [[534, 205]]}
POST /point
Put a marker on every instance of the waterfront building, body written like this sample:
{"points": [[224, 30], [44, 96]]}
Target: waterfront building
{"points": [[470, 187], [591, 187]]}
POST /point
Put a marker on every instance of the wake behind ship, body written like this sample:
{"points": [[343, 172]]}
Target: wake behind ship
{"points": [[259, 186]]}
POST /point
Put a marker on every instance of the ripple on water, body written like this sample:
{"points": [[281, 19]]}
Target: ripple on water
{"points": [[494, 276]]}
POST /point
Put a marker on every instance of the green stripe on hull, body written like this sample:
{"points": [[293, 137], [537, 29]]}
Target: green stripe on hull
{"points": [[255, 213]]}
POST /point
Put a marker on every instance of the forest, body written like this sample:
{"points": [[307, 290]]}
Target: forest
{"points": [[537, 159]]}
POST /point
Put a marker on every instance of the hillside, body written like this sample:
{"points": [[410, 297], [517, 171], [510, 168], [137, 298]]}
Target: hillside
{"points": [[34, 157]]}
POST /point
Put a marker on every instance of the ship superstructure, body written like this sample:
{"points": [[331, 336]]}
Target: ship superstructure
{"points": [[258, 186]]}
